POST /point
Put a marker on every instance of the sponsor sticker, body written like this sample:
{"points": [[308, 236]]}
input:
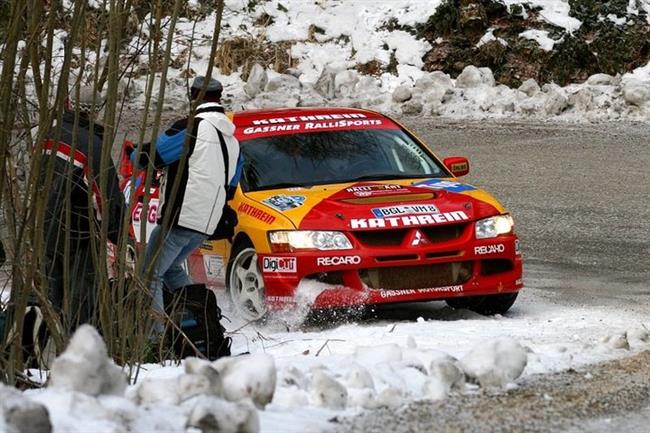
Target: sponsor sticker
{"points": [[375, 190], [404, 292], [279, 299], [489, 249], [285, 265], [256, 213], [407, 209], [315, 122], [150, 219], [338, 260], [408, 221], [284, 202], [213, 265], [447, 185]]}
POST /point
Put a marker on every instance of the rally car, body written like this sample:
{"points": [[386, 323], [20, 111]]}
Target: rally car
{"points": [[348, 205]]}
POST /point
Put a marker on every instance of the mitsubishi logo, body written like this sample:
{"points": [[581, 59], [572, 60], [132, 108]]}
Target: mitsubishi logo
{"points": [[419, 239]]}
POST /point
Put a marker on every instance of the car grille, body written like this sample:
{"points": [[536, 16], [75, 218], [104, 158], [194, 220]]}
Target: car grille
{"points": [[417, 277], [391, 238]]}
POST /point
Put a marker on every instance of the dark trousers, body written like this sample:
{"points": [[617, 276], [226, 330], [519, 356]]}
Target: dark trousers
{"points": [[73, 287]]}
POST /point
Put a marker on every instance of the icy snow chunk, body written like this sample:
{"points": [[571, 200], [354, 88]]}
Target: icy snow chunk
{"points": [[402, 93], [153, 390], [257, 80], [408, 49], [364, 397], [21, 415], [448, 371], [248, 376], [489, 37], [412, 107], [213, 415], [474, 77], [382, 353], [638, 334], [390, 397], [616, 341], [529, 87], [600, 80], [345, 82], [636, 92], [495, 363], [84, 366], [327, 392], [556, 100], [359, 377], [293, 377], [541, 37], [282, 82]]}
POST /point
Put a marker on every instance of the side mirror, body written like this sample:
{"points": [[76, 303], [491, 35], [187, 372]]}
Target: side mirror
{"points": [[458, 165]]}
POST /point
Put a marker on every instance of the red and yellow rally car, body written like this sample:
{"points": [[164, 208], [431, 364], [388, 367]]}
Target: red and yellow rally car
{"points": [[350, 204]]}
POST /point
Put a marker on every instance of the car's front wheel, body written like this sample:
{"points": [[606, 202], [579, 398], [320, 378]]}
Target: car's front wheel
{"points": [[245, 283], [487, 305]]}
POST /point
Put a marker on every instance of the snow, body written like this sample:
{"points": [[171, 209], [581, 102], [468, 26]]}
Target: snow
{"points": [[298, 377], [554, 12], [541, 37]]}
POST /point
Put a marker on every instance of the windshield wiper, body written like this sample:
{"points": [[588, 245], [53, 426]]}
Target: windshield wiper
{"points": [[387, 176]]}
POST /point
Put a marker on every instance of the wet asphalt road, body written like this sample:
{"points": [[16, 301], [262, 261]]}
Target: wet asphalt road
{"points": [[580, 196]]}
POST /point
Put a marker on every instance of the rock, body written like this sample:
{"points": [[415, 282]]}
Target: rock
{"points": [[84, 366], [213, 415], [636, 93], [345, 82], [248, 376], [412, 107], [529, 87], [19, 414], [325, 85], [282, 82], [327, 392], [257, 80], [600, 80], [495, 363], [556, 102], [402, 93]]}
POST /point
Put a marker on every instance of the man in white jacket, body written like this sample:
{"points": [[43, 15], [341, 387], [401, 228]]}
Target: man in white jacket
{"points": [[206, 173]]}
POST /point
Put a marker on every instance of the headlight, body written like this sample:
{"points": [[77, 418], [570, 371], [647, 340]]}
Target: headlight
{"points": [[297, 240], [494, 226]]}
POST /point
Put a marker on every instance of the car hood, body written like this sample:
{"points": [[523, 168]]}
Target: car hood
{"points": [[380, 205]]}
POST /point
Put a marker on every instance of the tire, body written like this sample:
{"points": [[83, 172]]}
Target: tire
{"points": [[245, 283], [488, 305]]}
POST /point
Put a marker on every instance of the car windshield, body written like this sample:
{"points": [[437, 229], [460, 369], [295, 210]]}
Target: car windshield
{"points": [[295, 160]]}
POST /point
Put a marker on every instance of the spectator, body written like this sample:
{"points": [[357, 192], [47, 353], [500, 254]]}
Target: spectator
{"points": [[73, 149]]}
